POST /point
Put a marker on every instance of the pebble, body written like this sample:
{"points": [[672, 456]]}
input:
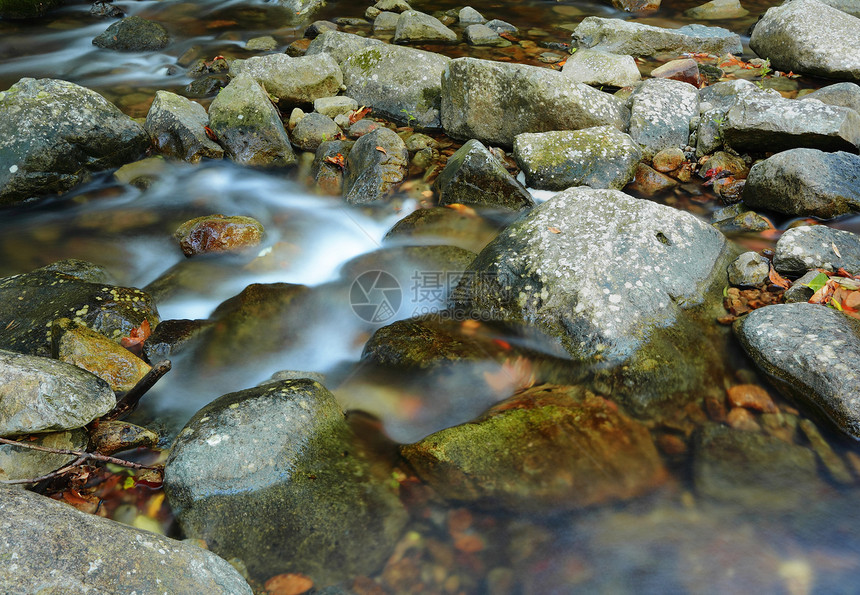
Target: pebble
{"points": [[741, 419], [751, 396], [669, 159]]}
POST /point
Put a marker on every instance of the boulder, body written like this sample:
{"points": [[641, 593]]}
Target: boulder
{"points": [[133, 34], [817, 247], [469, 15], [841, 94], [805, 182], [474, 176], [335, 106], [31, 302], [717, 10], [39, 394], [714, 101], [313, 130], [443, 225], [328, 175], [495, 101], [58, 549], [626, 37], [248, 125], [813, 354], [484, 36], [809, 37], [547, 448], [301, 499], [341, 45], [377, 163], [19, 462], [418, 27], [385, 22], [750, 269], [618, 280], [661, 111], [595, 67], [53, 133], [177, 127], [217, 233], [293, 81], [759, 122], [600, 157]]}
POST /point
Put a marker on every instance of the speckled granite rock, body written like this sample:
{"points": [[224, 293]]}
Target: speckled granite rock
{"points": [[293, 81], [594, 67], [812, 246], [660, 114]]}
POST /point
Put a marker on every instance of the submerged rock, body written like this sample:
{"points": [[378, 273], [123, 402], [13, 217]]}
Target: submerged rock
{"points": [[328, 175], [292, 81], [809, 37], [545, 449], [806, 182], [53, 133], [495, 101], [482, 35], [271, 475], [248, 126], [625, 37], [717, 10], [133, 34], [58, 549], [39, 394], [594, 67], [600, 157], [817, 247], [473, 176], [451, 226], [217, 233], [177, 127], [377, 162]]}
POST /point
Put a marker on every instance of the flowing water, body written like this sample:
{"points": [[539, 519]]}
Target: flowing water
{"points": [[670, 542]]}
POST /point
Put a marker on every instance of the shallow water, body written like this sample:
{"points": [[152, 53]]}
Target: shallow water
{"points": [[673, 541]]}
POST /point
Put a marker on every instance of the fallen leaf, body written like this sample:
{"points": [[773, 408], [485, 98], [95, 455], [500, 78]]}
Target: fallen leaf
{"points": [[288, 584], [508, 35], [835, 249], [210, 133], [778, 279], [134, 341], [336, 159], [462, 209], [823, 294], [358, 114], [553, 230], [381, 150]]}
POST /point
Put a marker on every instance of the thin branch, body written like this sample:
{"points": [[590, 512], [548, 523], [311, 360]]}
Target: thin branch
{"points": [[128, 402], [78, 453], [50, 475]]}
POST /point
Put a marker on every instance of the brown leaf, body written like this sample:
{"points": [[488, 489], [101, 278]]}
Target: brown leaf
{"points": [[288, 584], [336, 160], [823, 295], [381, 150], [778, 280], [358, 114], [553, 230]]}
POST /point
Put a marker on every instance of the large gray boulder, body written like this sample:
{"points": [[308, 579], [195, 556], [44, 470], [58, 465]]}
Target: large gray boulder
{"points": [[813, 353], [49, 547], [340, 45], [764, 122], [842, 94], [40, 394], [474, 176], [714, 101], [248, 125], [495, 101], [177, 127], [133, 34], [625, 37], [595, 67], [293, 81], [371, 173], [600, 157], [817, 247], [272, 475], [805, 182], [616, 279], [54, 133], [661, 111], [399, 83], [809, 37]]}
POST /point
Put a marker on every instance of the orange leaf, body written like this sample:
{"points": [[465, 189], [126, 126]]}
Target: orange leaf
{"points": [[358, 114], [134, 341], [462, 209], [210, 133], [288, 584], [553, 230], [778, 279], [336, 160], [381, 150], [508, 35]]}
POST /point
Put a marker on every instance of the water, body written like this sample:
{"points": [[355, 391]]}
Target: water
{"points": [[672, 541]]}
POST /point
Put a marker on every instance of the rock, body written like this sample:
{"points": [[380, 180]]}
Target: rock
{"points": [[600, 157], [333, 106], [264, 43], [469, 15], [39, 394], [110, 437], [385, 22], [91, 351], [717, 10], [721, 160], [341, 45], [217, 233], [848, 6], [685, 70], [650, 182], [416, 27], [133, 34], [19, 463], [105, 10], [31, 302], [293, 81], [53, 133], [500, 26], [594, 67], [417, 142], [319, 27], [26, 9], [714, 101], [813, 354], [474, 176], [800, 290], [625, 37], [495, 101], [616, 279], [398, 6], [809, 37], [754, 470], [300, 7], [660, 114], [841, 94], [484, 36], [295, 477], [362, 127], [143, 173], [749, 270], [667, 160], [313, 130], [328, 176], [637, 6], [248, 126], [835, 466], [758, 122], [58, 549], [817, 247], [450, 226], [171, 337], [401, 84], [371, 173], [806, 182], [177, 127], [548, 448]]}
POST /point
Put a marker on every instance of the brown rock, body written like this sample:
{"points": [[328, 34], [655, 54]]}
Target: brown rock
{"points": [[217, 233], [685, 69], [741, 419], [751, 396], [649, 181], [669, 159]]}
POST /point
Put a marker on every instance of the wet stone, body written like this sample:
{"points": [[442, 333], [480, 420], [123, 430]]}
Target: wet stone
{"points": [[482, 35], [218, 233], [469, 15], [376, 164], [142, 174], [746, 221], [650, 182], [133, 34], [110, 437], [800, 290], [813, 353], [414, 26], [717, 10], [660, 115], [751, 396], [177, 127], [817, 246], [18, 462], [669, 160], [265, 43], [465, 230], [170, 337], [292, 81], [750, 269], [840, 94], [548, 448], [685, 70], [594, 67], [385, 22], [332, 106], [313, 130], [328, 165]]}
